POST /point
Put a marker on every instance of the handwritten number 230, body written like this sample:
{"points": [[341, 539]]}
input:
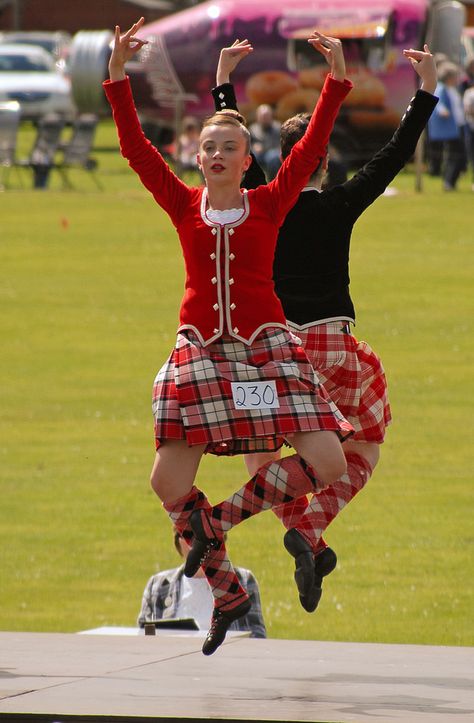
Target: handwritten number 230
{"points": [[251, 396]]}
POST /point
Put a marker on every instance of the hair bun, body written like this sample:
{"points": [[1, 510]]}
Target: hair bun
{"points": [[231, 113]]}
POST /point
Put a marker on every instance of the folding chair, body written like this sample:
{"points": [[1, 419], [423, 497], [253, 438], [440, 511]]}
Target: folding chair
{"points": [[10, 113], [41, 158], [76, 153]]}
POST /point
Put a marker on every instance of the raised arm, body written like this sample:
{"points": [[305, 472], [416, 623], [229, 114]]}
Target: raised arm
{"points": [[224, 97], [331, 48], [229, 59], [372, 180], [308, 152], [424, 65], [168, 190], [126, 46]]}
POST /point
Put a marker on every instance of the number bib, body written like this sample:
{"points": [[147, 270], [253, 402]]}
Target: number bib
{"points": [[255, 395]]}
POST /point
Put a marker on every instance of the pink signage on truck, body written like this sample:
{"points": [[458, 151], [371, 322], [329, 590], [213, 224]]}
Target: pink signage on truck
{"points": [[176, 69]]}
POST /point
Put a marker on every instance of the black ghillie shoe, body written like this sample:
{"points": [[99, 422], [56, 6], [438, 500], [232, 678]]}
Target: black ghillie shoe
{"points": [[324, 563], [220, 624], [202, 543], [304, 567], [309, 582]]}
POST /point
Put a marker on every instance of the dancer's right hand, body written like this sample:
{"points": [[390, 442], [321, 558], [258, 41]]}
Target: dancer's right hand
{"points": [[331, 49], [125, 47]]}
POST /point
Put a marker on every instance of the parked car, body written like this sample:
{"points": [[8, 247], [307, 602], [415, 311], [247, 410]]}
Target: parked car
{"points": [[28, 74], [55, 42]]}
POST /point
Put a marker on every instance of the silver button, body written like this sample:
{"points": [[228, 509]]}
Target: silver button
{"points": [[221, 95], [216, 331], [214, 231], [231, 281], [231, 257], [223, 104], [216, 307], [212, 256], [214, 280], [231, 232], [236, 330], [232, 306]]}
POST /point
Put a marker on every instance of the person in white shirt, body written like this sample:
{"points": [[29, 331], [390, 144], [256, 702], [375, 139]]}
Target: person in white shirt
{"points": [[170, 594]]}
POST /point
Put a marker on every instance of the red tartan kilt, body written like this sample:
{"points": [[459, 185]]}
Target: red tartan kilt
{"points": [[192, 395], [352, 375]]}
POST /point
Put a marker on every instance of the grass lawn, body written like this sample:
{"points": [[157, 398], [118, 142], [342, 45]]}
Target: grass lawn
{"points": [[90, 284]]}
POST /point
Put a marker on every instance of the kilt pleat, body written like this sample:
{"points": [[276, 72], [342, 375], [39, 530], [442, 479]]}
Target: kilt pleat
{"points": [[193, 401], [353, 376]]}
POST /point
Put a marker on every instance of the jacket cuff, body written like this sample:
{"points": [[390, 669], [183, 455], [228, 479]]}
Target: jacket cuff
{"points": [[224, 96], [430, 98], [116, 89], [340, 87]]}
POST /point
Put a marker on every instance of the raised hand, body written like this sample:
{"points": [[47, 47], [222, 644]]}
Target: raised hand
{"points": [[331, 48], [424, 65], [229, 59], [125, 47]]}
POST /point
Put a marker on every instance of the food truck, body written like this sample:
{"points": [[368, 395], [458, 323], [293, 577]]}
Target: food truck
{"points": [[175, 71]]}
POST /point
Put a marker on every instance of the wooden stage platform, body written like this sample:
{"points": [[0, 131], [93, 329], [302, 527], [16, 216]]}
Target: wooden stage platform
{"points": [[56, 678]]}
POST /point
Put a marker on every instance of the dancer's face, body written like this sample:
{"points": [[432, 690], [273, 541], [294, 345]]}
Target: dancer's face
{"points": [[223, 155]]}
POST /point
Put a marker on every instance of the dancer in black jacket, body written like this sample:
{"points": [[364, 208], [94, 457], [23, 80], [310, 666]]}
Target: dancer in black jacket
{"points": [[311, 274]]}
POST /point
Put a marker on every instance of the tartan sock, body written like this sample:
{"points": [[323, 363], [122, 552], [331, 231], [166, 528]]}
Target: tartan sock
{"points": [[274, 484], [326, 504], [180, 510], [291, 513], [225, 586]]}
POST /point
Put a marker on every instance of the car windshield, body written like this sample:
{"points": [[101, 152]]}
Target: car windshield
{"points": [[49, 45], [22, 64]]}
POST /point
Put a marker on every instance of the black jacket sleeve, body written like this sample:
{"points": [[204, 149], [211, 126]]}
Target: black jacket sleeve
{"points": [[373, 178], [224, 97]]}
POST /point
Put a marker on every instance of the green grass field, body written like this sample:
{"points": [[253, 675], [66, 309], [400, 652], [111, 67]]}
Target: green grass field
{"points": [[90, 285]]}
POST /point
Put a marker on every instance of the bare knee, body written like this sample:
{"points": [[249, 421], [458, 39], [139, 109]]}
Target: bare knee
{"points": [[323, 451], [330, 470], [370, 451], [329, 465], [174, 470], [159, 484], [253, 462], [155, 480], [168, 487]]}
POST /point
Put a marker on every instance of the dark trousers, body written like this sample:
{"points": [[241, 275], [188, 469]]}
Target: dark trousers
{"points": [[40, 176], [434, 155], [470, 148], [454, 160]]}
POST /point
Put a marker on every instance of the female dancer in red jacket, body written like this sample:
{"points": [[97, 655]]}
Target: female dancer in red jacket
{"points": [[236, 380]]}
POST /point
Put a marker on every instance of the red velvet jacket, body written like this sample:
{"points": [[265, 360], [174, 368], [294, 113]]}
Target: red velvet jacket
{"points": [[229, 287]]}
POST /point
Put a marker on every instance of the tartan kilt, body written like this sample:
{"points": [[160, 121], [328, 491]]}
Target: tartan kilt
{"points": [[352, 375], [193, 401]]}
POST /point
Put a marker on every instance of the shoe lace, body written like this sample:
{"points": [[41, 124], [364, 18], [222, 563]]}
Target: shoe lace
{"points": [[209, 546], [216, 616]]}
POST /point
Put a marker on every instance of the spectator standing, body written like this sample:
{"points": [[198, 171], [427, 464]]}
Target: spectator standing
{"points": [[188, 144], [265, 138], [468, 78], [468, 105], [447, 125]]}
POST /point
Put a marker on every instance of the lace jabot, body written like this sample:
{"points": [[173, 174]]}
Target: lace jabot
{"points": [[228, 215]]}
